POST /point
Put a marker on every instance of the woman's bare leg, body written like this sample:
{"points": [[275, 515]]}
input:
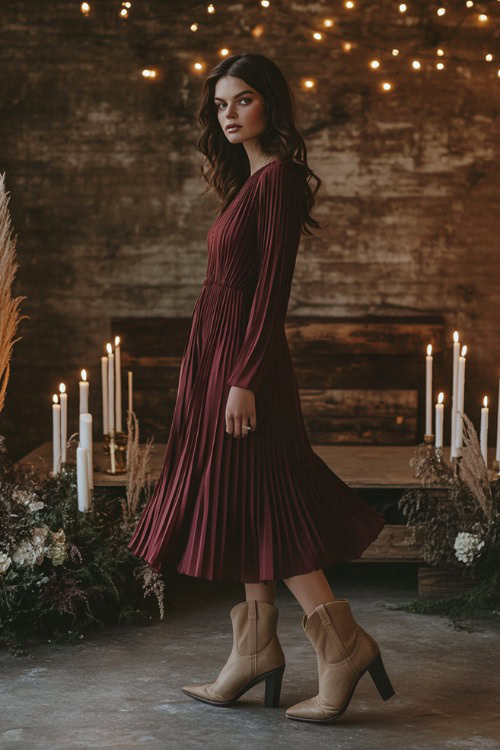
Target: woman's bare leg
{"points": [[310, 590], [262, 592]]}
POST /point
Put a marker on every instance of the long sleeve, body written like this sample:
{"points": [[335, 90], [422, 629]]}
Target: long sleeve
{"points": [[279, 196]]}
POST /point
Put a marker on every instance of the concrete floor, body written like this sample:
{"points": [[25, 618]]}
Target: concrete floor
{"points": [[121, 688]]}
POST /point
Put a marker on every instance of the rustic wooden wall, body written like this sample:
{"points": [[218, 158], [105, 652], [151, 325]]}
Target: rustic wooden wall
{"points": [[106, 197]]}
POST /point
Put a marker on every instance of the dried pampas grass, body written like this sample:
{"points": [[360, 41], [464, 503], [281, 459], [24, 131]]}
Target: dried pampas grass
{"points": [[473, 470], [9, 307], [138, 472]]}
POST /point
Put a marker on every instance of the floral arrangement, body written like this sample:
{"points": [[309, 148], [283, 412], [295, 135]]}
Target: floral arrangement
{"points": [[459, 525], [64, 572]]}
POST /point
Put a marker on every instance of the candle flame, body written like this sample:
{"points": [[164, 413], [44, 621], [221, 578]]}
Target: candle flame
{"points": [[84, 374], [109, 348], [429, 349], [62, 388], [464, 349], [117, 341], [485, 401], [455, 336], [440, 398], [54, 398]]}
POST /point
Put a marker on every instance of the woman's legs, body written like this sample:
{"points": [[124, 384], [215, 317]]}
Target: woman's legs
{"points": [[310, 590], [262, 592]]}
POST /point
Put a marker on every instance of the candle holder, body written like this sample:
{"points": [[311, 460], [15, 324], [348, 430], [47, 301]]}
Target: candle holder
{"points": [[116, 443], [496, 467], [429, 439], [455, 462], [439, 454]]}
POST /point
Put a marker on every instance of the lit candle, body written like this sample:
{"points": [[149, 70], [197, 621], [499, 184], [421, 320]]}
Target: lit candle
{"points": [[63, 398], [82, 478], [484, 430], [118, 385], [460, 402], [129, 394], [86, 442], [83, 386], [56, 434], [439, 421], [111, 387], [428, 391], [498, 425], [105, 407], [456, 352]]}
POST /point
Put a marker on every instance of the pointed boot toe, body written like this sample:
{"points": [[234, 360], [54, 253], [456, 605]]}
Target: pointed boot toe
{"points": [[204, 693]]}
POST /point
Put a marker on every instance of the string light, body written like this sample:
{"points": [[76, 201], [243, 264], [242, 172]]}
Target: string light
{"points": [[85, 8], [258, 30], [348, 45], [148, 73]]}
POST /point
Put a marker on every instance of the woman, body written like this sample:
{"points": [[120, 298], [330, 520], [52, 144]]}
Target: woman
{"points": [[242, 495]]}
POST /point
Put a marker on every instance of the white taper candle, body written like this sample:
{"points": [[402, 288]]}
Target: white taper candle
{"points": [[56, 435], [105, 407]]}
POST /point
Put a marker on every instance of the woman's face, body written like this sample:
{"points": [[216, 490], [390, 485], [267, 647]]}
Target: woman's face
{"points": [[237, 103]]}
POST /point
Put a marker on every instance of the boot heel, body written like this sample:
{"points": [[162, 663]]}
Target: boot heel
{"points": [[381, 678], [273, 688]]}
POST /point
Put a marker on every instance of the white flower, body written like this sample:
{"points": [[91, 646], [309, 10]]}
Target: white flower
{"points": [[467, 546], [5, 562], [24, 554], [36, 506], [38, 538], [23, 496]]}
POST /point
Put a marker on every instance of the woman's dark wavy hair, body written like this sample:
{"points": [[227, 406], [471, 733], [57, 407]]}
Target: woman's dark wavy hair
{"points": [[228, 166]]}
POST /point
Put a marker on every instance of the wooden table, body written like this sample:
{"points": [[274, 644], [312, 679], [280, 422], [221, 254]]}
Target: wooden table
{"points": [[373, 466]]}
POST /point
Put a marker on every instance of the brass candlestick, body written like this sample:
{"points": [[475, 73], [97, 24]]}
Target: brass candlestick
{"points": [[115, 446]]}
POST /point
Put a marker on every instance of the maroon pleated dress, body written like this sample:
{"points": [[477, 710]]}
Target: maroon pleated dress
{"points": [[266, 506]]}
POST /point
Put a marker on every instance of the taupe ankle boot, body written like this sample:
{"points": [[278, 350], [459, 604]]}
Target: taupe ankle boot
{"points": [[256, 655], [344, 653]]}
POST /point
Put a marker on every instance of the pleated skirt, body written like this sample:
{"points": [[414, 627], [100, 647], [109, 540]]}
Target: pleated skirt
{"points": [[260, 508]]}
